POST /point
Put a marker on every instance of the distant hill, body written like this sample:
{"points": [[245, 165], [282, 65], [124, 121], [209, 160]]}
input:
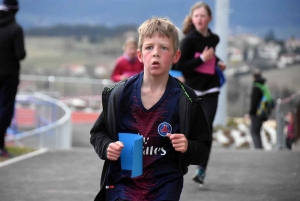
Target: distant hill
{"points": [[246, 16], [94, 33]]}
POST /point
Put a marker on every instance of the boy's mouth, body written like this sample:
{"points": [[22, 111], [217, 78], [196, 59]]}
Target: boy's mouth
{"points": [[155, 63]]}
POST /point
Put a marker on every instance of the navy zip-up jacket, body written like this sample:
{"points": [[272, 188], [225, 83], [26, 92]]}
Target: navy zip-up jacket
{"points": [[193, 124]]}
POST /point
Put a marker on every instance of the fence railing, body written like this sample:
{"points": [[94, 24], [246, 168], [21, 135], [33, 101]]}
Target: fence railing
{"points": [[63, 86], [75, 92], [283, 106], [51, 122]]}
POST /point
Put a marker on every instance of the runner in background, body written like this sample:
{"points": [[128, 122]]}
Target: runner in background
{"points": [[200, 65], [127, 65]]}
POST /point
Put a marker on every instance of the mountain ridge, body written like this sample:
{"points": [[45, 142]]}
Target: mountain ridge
{"points": [[248, 16]]}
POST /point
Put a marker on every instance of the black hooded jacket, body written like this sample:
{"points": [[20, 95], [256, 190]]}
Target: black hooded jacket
{"points": [[193, 124], [195, 42], [256, 95], [12, 48]]}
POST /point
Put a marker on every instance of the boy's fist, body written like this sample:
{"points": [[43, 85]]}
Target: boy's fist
{"points": [[114, 150], [179, 141]]}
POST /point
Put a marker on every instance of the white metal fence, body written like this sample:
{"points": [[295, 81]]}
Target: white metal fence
{"points": [[46, 96], [63, 86], [52, 122], [283, 106]]}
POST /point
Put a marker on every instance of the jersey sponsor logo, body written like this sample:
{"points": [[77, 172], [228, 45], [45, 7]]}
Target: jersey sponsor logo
{"points": [[164, 128]]}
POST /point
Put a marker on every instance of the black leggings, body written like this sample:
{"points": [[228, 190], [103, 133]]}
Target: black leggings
{"points": [[8, 91], [256, 124], [289, 142], [209, 105]]}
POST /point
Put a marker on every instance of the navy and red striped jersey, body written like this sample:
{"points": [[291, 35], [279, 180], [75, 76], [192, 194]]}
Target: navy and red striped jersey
{"points": [[162, 179]]}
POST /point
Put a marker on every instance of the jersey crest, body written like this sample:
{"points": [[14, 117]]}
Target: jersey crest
{"points": [[164, 128]]}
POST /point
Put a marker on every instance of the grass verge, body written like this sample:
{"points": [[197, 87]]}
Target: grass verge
{"points": [[16, 151]]}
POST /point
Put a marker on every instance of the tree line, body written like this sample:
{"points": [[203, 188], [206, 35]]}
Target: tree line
{"points": [[94, 33]]}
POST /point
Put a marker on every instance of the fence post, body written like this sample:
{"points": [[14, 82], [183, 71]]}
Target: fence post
{"points": [[279, 125]]}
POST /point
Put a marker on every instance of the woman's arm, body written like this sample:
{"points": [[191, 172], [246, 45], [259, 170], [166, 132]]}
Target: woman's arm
{"points": [[187, 63]]}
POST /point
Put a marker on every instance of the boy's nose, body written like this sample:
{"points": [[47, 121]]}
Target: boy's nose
{"points": [[155, 53]]}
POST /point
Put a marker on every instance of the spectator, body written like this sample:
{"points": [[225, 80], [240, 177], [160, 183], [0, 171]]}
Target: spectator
{"points": [[256, 114], [11, 52], [127, 65], [198, 64], [290, 135]]}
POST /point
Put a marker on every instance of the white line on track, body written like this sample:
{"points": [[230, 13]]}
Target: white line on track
{"points": [[23, 157]]}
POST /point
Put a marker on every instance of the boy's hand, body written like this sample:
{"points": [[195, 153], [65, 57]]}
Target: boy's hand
{"points": [[179, 141], [123, 77], [114, 150]]}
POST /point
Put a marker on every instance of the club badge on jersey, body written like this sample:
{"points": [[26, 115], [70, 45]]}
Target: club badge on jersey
{"points": [[164, 128]]}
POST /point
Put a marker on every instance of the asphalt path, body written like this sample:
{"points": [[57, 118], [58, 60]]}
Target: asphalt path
{"points": [[74, 175]]}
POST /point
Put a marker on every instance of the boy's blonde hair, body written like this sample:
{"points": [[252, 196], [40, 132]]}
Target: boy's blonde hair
{"points": [[129, 41], [162, 26]]}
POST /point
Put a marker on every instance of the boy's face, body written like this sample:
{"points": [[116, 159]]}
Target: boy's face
{"points": [[130, 50], [158, 55]]}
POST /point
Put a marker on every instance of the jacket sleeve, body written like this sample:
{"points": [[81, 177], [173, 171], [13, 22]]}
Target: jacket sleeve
{"points": [[19, 45], [99, 137], [217, 39], [187, 63], [256, 96], [217, 60], [200, 139]]}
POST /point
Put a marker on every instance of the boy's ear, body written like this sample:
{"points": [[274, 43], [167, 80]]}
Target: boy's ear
{"points": [[139, 55], [176, 56]]}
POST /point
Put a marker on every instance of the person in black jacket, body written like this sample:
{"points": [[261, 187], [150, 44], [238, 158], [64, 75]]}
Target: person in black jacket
{"points": [[256, 122], [198, 63], [11, 52], [158, 107]]}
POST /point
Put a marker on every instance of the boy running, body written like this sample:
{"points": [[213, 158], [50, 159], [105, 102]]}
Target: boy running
{"points": [[160, 108]]}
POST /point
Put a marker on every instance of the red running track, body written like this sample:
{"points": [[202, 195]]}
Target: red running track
{"points": [[26, 117]]}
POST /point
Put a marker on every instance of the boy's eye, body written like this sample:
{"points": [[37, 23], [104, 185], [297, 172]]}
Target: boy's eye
{"points": [[148, 47], [164, 48]]}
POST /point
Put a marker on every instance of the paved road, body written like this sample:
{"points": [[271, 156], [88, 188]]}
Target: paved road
{"points": [[81, 136], [73, 175]]}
